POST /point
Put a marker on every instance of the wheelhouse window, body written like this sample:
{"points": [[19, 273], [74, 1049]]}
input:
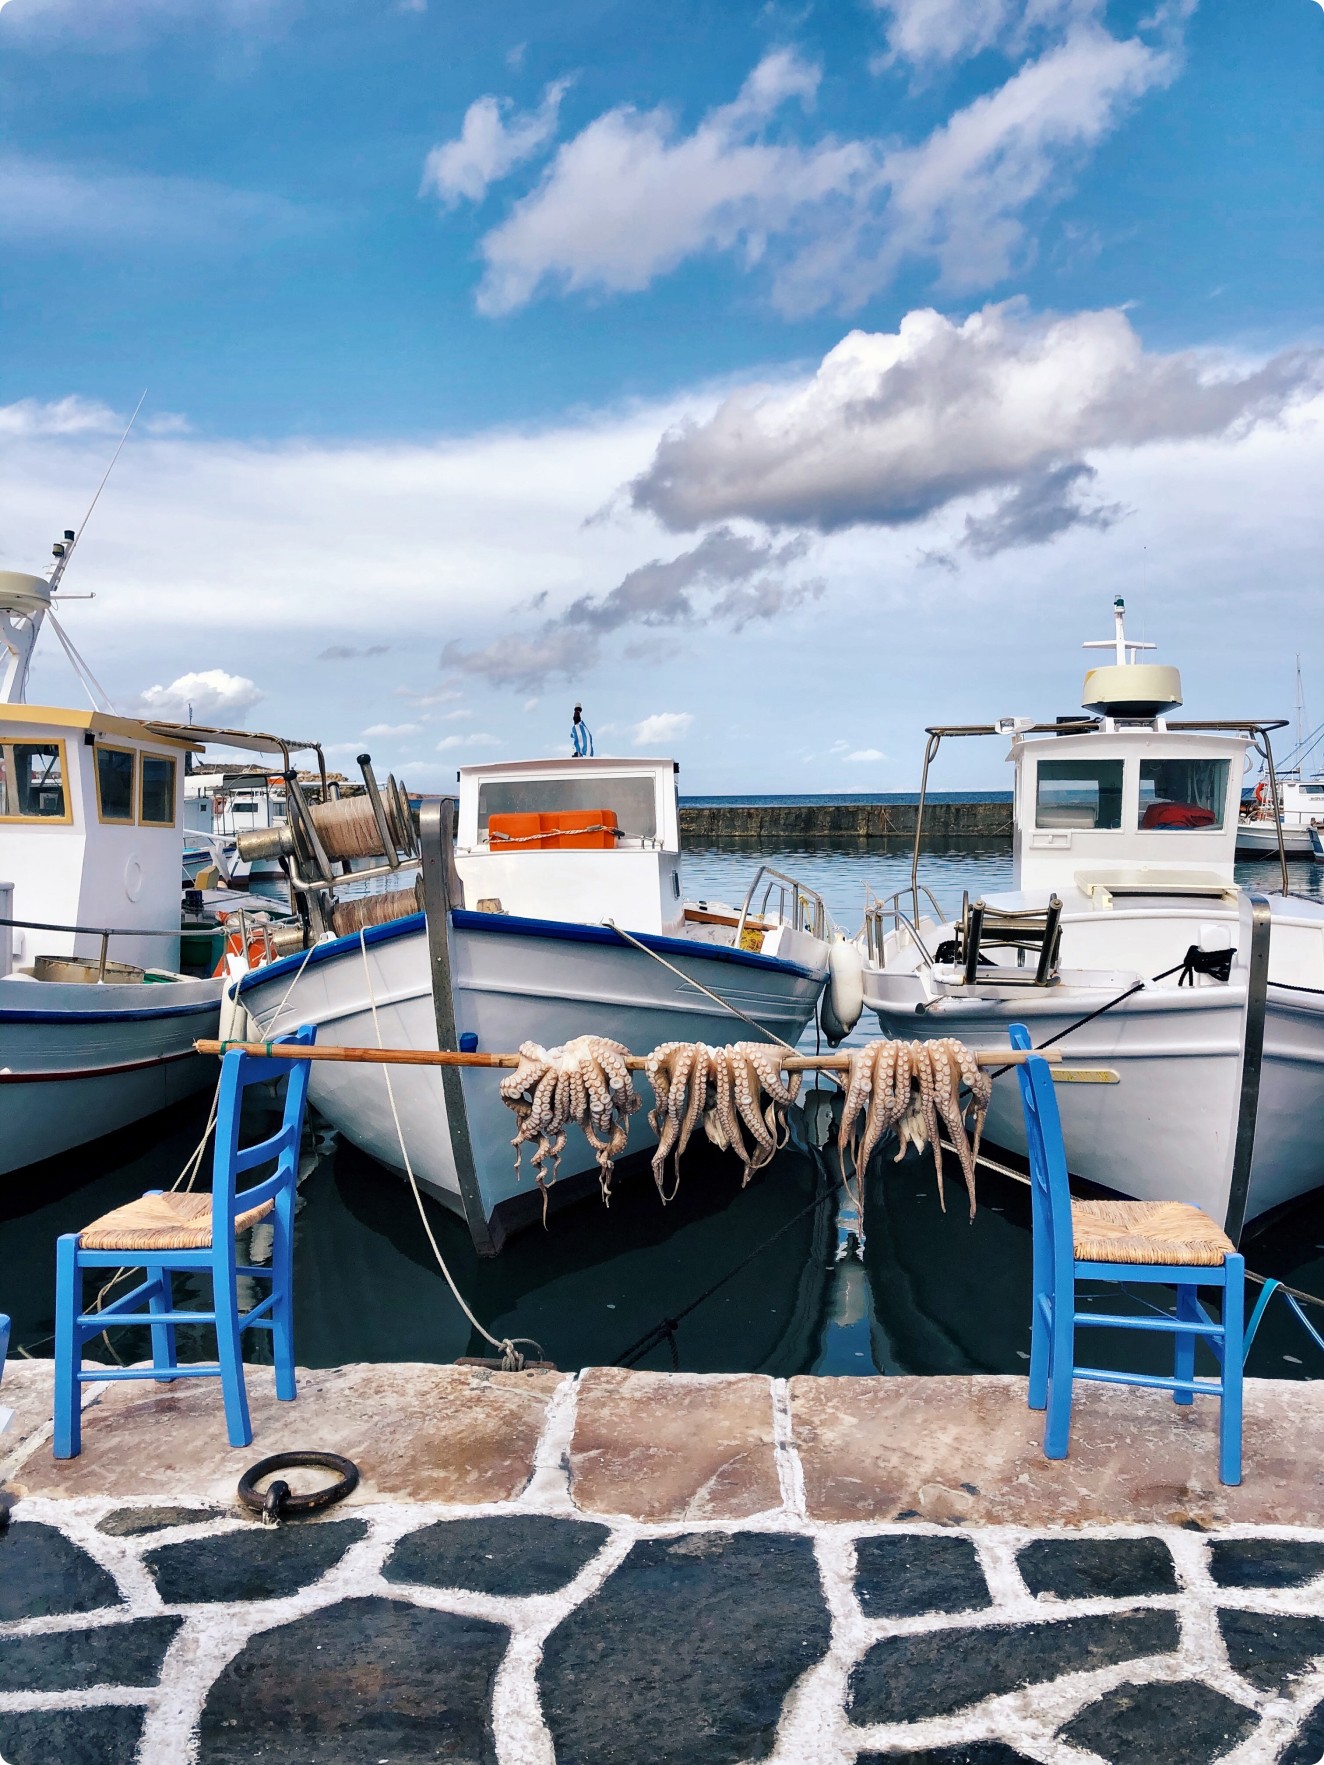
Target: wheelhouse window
{"points": [[115, 773], [1182, 794], [32, 782], [157, 791], [632, 801], [1078, 793]]}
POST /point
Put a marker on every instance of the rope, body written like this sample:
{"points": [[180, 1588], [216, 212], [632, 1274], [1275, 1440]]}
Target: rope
{"points": [[689, 980], [511, 1359], [551, 833]]}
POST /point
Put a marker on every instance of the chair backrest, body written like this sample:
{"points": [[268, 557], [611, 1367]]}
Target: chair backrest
{"points": [[238, 1072], [1050, 1185]]}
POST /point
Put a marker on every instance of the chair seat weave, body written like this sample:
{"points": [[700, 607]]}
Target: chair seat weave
{"points": [[1147, 1232], [161, 1222]]}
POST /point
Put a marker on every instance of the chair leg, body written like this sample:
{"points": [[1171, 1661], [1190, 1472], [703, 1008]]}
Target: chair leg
{"points": [[229, 1350], [1061, 1372], [68, 1357], [1229, 1409], [161, 1298], [1183, 1360], [282, 1315], [1037, 1396]]}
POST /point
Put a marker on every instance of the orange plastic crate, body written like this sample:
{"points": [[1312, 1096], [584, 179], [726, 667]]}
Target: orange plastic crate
{"points": [[515, 832], [579, 830]]}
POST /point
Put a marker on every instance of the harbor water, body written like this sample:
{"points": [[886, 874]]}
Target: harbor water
{"points": [[723, 1279]]}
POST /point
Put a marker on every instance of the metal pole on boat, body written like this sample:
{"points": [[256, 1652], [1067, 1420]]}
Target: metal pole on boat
{"points": [[930, 749], [442, 893], [1252, 1060], [1277, 810]]}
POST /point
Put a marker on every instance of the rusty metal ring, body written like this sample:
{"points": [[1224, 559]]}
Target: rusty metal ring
{"points": [[278, 1502]]}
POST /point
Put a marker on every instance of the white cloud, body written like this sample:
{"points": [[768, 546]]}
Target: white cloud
{"points": [[493, 140], [212, 695], [60, 416], [476, 740], [662, 728], [894, 426], [949, 30], [391, 729], [630, 197], [86, 208], [867, 754]]}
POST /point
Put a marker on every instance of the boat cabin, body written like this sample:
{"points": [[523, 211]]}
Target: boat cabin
{"points": [[581, 840], [90, 833], [1127, 810]]}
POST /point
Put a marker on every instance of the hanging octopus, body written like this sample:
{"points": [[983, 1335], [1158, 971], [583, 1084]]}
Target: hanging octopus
{"points": [[912, 1087], [736, 1092], [586, 1083]]}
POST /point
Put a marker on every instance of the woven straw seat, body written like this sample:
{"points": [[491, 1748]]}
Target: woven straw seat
{"points": [[161, 1222], [1147, 1232]]}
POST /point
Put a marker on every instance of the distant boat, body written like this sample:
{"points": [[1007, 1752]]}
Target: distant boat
{"points": [[1299, 801]]}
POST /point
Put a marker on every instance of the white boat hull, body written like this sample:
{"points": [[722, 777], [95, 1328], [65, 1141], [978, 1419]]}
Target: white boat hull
{"points": [[79, 1061], [1259, 839], [514, 980]]}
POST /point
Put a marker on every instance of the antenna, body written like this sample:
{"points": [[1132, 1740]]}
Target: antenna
{"points": [[64, 550]]}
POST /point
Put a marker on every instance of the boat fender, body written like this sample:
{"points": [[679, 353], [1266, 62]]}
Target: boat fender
{"points": [[843, 996], [234, 1025]]}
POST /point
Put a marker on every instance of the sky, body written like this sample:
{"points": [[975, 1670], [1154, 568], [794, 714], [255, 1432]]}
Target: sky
{"points": [[774, 379]]}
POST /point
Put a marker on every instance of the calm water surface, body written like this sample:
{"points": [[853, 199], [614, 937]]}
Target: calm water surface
{"points": [[936, 1294]]}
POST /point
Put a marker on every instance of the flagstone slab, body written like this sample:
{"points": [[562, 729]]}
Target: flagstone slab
{"points": [[515, 1555], [132, 1522], [674, 1446], [43, 1573], [416, 1431], [966, 1451], [687, 1652], [1158, 1723], [1271, 1649], [1097, 1568], [1308, 1746], [362, 1681], [975, 1752], [931, 1673], [259, 1563], [902, 1574], [106, 1734], [71, 1660], [1265, 1562]]}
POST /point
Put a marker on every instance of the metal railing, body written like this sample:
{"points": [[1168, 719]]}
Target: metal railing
{"points": [[807, 909], [106, 932], [877, 912]]}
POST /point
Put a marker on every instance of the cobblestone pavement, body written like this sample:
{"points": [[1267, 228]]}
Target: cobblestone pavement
{"points": [[623, 1593]]}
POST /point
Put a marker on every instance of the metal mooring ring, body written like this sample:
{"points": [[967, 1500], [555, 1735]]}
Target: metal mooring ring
{"points": [[277, 1503]]}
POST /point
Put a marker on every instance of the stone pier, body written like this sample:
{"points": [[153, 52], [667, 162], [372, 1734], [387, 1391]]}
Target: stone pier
{"points": [[640, 1567]]}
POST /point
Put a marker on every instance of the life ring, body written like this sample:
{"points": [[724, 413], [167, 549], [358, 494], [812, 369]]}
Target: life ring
{"points": [[1261, 792], [220, 803]]}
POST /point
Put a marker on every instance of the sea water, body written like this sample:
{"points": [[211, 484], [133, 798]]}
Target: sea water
{"points": [[749, 1274]]}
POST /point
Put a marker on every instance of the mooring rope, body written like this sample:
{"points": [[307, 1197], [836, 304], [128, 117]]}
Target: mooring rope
{"points": [[689, 980], [511, 1359]]}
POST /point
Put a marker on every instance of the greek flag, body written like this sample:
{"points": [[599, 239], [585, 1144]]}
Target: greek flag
{"points": [[581, 740]]}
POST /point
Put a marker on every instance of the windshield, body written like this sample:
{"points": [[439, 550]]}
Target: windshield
{"points": [[633, 801], [1079, 793], [1182, 794]]}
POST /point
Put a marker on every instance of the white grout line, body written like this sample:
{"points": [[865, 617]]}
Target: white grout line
{"points": [[548, 1489], [814, 1724]]}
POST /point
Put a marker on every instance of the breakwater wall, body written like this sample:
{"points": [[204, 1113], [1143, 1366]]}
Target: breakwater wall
{"points": [[803, 823]]}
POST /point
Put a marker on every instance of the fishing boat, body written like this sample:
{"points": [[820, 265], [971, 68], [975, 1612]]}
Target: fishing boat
{"points": [[554, 911], [97, 1015], [220, 802], [97, 1022], [1288, 810], [1125, 937]]}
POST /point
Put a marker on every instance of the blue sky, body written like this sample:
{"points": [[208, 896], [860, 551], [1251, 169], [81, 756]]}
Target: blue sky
{"points": [[777, 379]]}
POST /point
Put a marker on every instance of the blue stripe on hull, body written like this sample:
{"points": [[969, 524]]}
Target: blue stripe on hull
{"points": [[510, 925], [130, 1016]]}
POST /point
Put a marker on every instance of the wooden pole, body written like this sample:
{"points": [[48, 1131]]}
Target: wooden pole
{"points": [[635, 1062]]}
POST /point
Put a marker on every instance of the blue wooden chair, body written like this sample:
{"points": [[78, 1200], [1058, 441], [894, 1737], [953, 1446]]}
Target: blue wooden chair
{"points": [[1164, 1242], [179, 1231]]}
